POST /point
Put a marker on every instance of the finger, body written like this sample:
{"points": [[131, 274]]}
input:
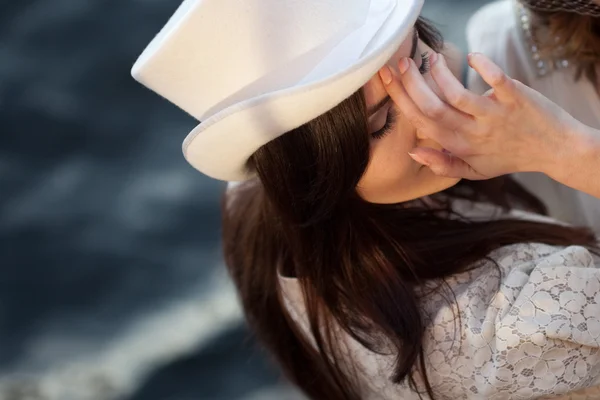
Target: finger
{"points": [[444, 164], [454, 92], [427, 127], [504, 87], [428, 102]]}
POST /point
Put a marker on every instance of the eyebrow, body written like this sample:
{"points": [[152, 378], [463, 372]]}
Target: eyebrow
{"points": [[379, 105], [384, 101]]}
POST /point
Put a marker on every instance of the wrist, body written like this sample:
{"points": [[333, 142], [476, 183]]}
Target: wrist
{"points": [[578, 149]]}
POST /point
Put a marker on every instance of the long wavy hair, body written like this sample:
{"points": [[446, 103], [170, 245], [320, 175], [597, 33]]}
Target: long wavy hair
{"points": [[360, 265], [571, 37]]}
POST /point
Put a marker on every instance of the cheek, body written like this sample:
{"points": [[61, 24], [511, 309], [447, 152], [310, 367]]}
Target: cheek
{"points": [[391, 155], [390, 167]]}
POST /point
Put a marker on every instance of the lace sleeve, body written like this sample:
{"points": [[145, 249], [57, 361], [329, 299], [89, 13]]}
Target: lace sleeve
{"points": [[536, 335]]}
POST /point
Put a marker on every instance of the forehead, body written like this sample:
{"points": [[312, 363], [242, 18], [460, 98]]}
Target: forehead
{"points": [[374, 90]]}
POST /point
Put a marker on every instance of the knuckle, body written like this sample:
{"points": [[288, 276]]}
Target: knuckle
{"points": [[500, 79], [441, 169], [434, 111], [459, 100], [462, 148], [512, 107]]}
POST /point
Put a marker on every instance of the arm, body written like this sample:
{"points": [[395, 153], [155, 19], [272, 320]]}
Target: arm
{"points": [[510, 129], [579, 167]]}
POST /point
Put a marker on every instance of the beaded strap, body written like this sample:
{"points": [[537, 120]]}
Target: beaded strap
{"points": [[543, 66]]}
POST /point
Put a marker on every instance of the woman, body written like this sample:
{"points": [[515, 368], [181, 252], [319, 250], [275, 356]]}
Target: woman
{"points": [[552, 46], [365, 274]]}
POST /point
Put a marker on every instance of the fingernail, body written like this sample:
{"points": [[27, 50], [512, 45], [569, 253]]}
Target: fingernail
{"points": [[470, 57], [403, 65], [386, 75], [418, 159]]}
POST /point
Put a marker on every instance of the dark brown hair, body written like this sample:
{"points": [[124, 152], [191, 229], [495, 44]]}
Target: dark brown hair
{"points": [[571, 37], [359, 264]]}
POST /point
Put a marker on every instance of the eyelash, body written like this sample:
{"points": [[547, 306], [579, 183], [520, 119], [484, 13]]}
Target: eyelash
{"points": [[389, 122], [391, 117], [425, 63]]}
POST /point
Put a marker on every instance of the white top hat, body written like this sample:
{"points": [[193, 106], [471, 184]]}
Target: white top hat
{"points": [[252, 70]]}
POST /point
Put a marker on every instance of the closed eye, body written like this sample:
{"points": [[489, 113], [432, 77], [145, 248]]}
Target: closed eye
{"points": [[425, 63], [387, 127], [392, 114]]}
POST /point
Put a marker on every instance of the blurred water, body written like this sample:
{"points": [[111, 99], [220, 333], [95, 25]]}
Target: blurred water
{"points": [[112, 284]]}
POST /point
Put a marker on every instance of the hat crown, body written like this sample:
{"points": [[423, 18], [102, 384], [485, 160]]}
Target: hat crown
{"points": [[252, 70], [216, 53]]}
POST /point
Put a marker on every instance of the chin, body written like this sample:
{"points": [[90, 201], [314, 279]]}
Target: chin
{"points": [[442, 184], [435, 185], [428, 184]]}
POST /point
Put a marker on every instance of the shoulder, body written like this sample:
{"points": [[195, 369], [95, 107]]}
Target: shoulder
{"points": [[510, 272], [529, 266]]}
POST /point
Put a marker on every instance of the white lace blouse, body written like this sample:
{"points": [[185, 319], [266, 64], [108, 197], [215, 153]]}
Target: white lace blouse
{"points": [[531, 332]]}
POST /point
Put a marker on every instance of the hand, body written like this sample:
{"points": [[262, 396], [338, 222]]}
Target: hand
{"points": [[512, 128]]}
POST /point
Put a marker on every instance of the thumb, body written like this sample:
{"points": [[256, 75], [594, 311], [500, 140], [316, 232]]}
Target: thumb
{"points": [[444, 164]]}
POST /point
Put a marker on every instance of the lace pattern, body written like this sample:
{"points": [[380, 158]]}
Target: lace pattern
{"points": [[528, 329]]}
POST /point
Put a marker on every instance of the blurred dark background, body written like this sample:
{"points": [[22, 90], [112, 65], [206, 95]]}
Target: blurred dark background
{"points": [[112, 284]]}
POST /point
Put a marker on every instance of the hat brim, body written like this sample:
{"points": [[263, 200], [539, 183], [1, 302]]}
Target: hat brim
{"points": [[221, 145]]}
